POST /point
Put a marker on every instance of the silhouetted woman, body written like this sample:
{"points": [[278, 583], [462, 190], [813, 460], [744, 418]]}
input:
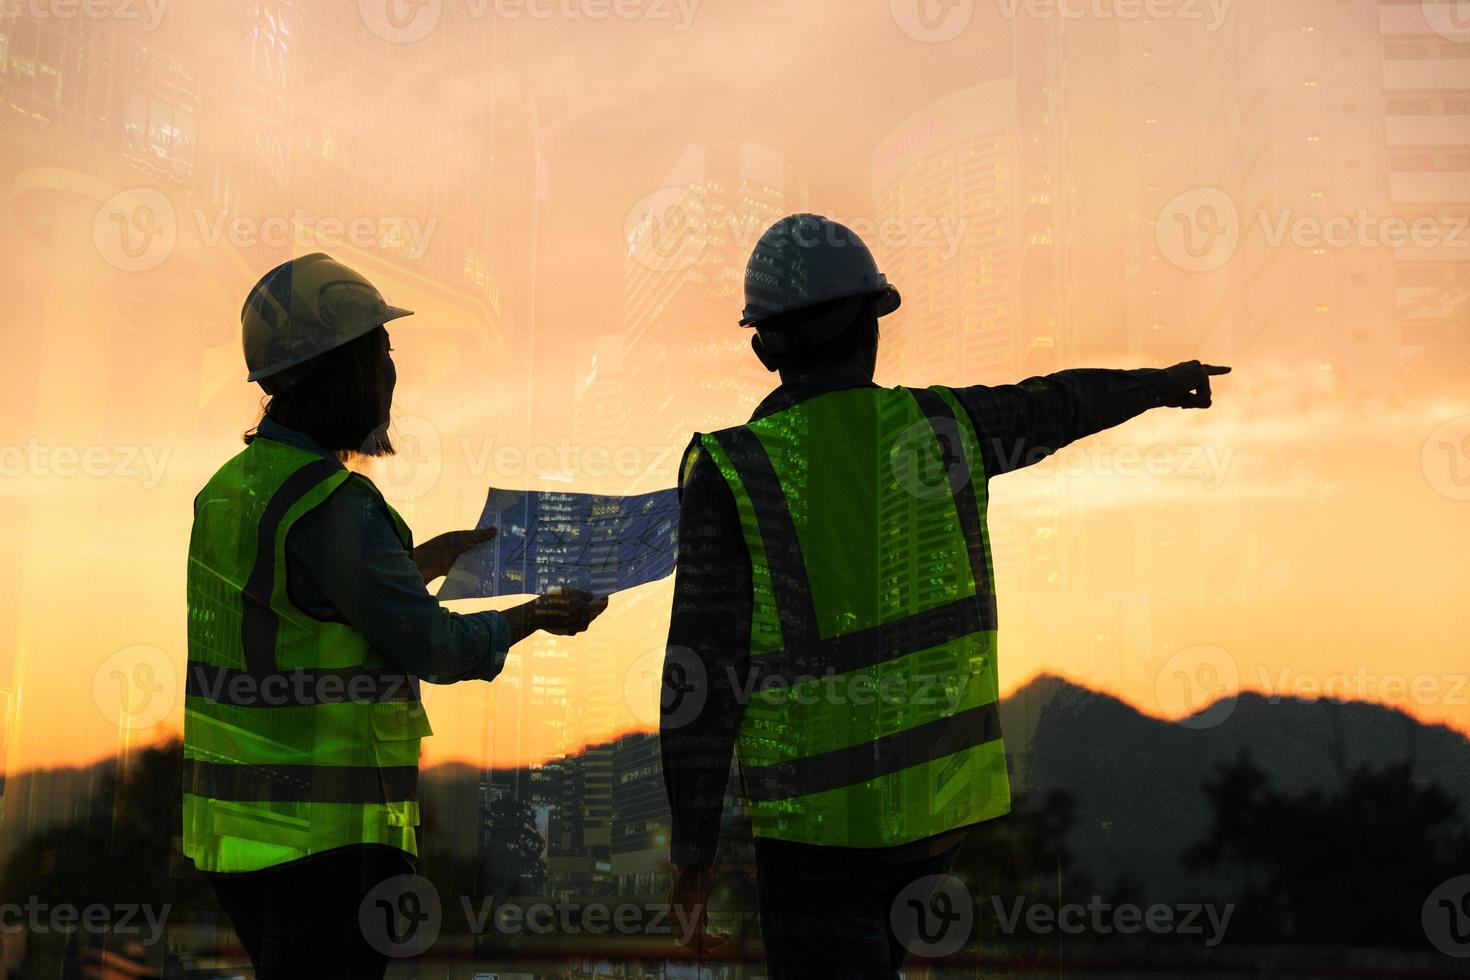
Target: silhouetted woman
{"points": [[310, 627]]}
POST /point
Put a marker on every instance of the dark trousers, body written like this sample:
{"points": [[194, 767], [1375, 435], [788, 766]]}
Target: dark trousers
{"points": [[827, 912], [301, 919]]}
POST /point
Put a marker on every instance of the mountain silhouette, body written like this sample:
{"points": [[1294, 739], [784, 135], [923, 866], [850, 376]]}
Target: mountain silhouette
{"points": [[1138, 781]]}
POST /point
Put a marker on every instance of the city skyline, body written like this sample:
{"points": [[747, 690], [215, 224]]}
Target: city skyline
{"points": [[537, 325]]}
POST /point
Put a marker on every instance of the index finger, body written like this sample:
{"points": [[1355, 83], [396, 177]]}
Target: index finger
{"points": [[1215, 369]]}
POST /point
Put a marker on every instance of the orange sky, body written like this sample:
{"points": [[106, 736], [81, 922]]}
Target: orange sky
{"points": [[1298, 536]]}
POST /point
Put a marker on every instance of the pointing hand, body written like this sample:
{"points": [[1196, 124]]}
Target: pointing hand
{"points": [[1189, 384]]}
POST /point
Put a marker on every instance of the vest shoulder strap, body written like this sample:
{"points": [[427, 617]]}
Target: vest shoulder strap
{"points": [[691, 456], [260, 624], [960, 456], [405, 534]]}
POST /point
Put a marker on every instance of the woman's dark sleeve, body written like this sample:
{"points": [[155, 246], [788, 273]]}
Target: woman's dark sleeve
{"points": [[346, 563]]}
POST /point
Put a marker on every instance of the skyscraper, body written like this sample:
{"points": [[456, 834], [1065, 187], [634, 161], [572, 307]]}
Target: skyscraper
{"points": [[685, 357], [966, 222], [1426, 80], [167, 166], [640, 815], [947, 210]]}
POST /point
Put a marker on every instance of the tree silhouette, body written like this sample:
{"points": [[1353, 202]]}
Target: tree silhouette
{"points": [[1351, 866], [122, 848], [512, 852]]}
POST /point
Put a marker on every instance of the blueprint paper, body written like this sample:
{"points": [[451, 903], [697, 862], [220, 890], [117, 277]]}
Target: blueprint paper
{"points": [[545, 538]]}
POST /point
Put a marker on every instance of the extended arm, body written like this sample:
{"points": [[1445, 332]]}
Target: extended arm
{"points": [[1023, 423], [347, 563]]}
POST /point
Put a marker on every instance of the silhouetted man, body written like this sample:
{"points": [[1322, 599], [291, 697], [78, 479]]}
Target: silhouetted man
{"points": [[834, 621]]}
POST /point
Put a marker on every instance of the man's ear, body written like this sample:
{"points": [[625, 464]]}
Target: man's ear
{"points": [[760, 352]]}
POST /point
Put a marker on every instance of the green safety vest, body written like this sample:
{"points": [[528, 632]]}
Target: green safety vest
{"points": [[298, 736], [871, 711]]}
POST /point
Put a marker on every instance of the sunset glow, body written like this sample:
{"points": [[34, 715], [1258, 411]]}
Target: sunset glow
{"points": [[1303, 538]]}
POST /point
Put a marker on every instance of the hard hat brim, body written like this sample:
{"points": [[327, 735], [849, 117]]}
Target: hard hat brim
{"points": [[888, 301], [390, 313]]}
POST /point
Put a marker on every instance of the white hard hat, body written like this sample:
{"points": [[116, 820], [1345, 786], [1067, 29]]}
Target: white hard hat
{"points": [[303, 308], [806, 259]]}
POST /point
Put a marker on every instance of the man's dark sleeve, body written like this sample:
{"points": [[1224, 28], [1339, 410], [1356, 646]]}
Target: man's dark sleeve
{"points": [[708, 651], [1022, 424]]}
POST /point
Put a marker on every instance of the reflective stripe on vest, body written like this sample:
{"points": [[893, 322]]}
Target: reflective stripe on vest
{"points": [[826, 757], [298, 737]]}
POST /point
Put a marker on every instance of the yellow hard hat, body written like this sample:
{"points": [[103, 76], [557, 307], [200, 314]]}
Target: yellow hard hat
{"points": [[303, 308]]}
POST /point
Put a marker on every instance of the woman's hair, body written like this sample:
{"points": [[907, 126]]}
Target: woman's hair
{"points": [[342, 402]]}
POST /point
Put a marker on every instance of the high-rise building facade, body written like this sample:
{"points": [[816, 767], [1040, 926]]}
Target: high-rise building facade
{"points": [[167, 165], [947, 208], [685, 357], [1426, 82], [640, 815]]}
